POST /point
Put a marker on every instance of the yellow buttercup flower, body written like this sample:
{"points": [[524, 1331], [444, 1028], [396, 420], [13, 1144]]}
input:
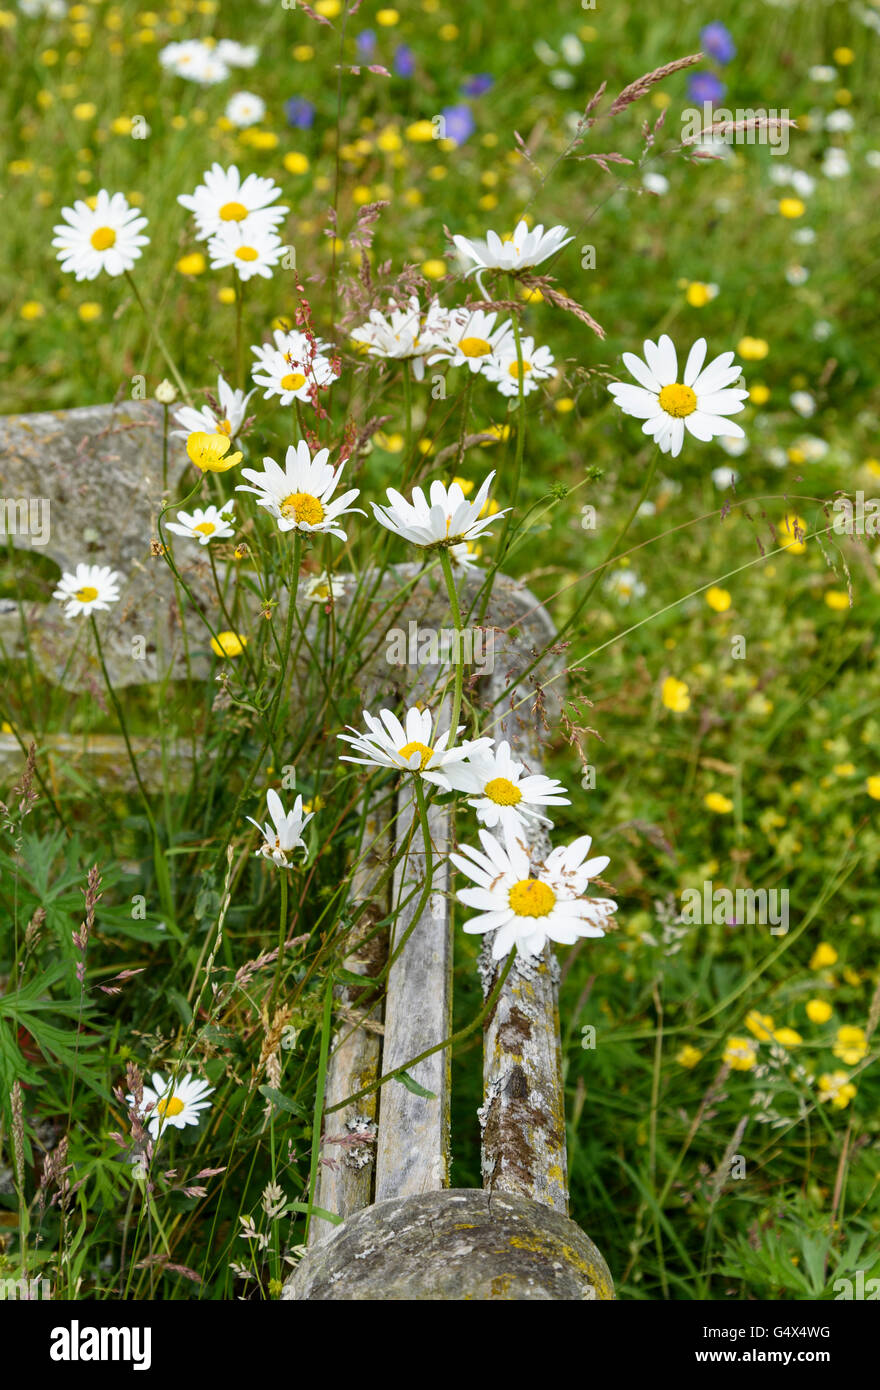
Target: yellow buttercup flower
{"points": [[759, 394], [31, 309], [792, 534], [851, 1045], [228, 644], [761, 1025], [689, 1056], [717, 801], [208, 452], [788, 1037], [824, 955], [740, 1054], [675, 696], [872, 785], [434, 269], [818, 1010], [296, 163], [792, 207], [837, 599], [193, 264], [719, 599], [836, 1087], [752, 349]]}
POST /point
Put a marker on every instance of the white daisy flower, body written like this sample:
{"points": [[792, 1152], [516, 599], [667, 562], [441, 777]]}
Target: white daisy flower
{"points": [[625, 585], [298, 495], [527, 905], [324, 588], [88, 589], [655, 183], [237, 55], [245, 109], [725, 477], [176, 1103], [283, 833], [447, 519], [194, 60], [228, 420], [104, 237], [252, 251], [518, 252], [294, 368], [502, 368], [472, 338], [405, 334], [223, 199], [501, 791], [411, 746], [205, 524], [804, 403], [700, 402], [465, 555]]}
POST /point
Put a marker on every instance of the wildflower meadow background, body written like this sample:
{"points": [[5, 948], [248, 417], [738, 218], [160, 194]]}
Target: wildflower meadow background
{"points": [[163, 988]]}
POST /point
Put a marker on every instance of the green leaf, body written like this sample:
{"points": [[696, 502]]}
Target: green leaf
{"points": [[406, 1080], [283, 1102], [330, 1216]]}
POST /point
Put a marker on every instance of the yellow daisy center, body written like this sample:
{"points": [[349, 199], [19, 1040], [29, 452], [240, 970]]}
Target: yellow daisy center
{"points": [[86, 594], [172, 1106], [225, 427], [293, 381], [103, 238], [514, 369], [207, 528], [475, 347], [247, 253], [233, 212], [678, 400], [302, 506], [531, 898], [502, 791], [424, 752]]}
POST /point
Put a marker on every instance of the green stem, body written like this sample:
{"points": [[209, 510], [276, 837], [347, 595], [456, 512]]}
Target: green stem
{"points": [[459, 643], [282, 939]]}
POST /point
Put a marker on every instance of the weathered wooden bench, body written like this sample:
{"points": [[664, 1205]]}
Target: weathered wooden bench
{"points": [[405, 1232]]}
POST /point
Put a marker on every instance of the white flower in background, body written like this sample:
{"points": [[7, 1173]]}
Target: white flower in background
{"points": [[699, 402], [725, 477], [104, 237], [822, 72], [839, 121], [562, 80], [411, 747], [655, 183], [292, 367], [734, 445], [175, 1103], [283, 833], [804, 236], [223, 198], [544, 53], [465, 555], [237, 55], [822, 330], [405, 334], [527, 905], [232, 406], [571, 49], [502, 368], [53, 9], [798, 179], [872, 158], [835, 164], [205, 524], [502, 792], [245, 109], [625, 585], [298, 495], [445, 519], [195, 60], [797, 275], [803, 403], [518, 252], [812, 447], [88, 589], [472, 338], [251, 252], [324, 588]]}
